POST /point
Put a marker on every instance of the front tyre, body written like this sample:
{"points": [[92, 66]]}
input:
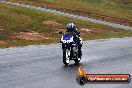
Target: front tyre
{"points": [[66, 56]]}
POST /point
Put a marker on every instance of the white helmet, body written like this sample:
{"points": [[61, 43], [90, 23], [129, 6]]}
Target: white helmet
{"points": [[71, 27]]}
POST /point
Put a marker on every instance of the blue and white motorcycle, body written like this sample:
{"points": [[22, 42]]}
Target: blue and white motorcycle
{"points": [[70, 48]]}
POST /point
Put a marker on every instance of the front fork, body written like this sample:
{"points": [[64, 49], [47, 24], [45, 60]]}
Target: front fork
{"points": [[73, 51]]}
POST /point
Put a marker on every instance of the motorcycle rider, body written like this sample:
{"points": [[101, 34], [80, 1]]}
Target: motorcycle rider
{"points": [[72, 28]]}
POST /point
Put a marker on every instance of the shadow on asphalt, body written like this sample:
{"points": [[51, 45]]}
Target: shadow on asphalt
{"points": [[72, 67]]}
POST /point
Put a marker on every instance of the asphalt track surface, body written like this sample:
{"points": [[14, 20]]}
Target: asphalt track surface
{"points": [[69, 15], [41, 66]]}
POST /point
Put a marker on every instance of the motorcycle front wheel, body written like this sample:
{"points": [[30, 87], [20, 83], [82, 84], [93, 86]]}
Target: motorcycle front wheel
{"points": [[66, 56]]}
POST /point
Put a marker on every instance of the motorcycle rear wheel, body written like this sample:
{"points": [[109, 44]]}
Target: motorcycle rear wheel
{"points": [[77, 60], [78, 57]]}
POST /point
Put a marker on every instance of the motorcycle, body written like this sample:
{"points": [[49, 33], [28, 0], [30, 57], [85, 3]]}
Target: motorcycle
{"points": [[70, 48]]}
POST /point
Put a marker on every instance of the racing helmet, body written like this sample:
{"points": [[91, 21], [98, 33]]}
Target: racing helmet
{"points": [[71, 27]]}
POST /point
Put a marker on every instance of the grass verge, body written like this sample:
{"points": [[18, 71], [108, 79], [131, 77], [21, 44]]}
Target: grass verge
{"points": [[118, 11], [20, 27]]}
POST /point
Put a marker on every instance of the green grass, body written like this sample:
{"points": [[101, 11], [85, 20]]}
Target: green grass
{"points": [[14, 20], [119, 11]]}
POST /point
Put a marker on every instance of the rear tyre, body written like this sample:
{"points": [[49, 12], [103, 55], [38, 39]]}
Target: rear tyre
{"points": [[66, 57], [78, 58]]}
